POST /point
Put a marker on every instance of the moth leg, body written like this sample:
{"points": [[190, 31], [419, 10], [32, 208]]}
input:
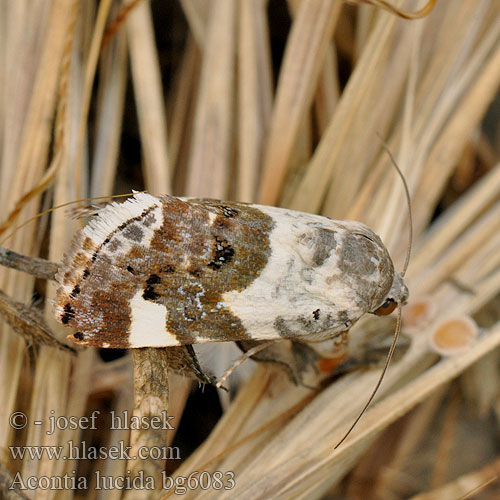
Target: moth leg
{"points": [[295, 358], [372, 353], [369, 352], [183, 360], [338, 355], [337, 360]]}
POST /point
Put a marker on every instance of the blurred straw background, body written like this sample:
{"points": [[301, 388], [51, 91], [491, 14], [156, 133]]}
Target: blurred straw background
{"points": [[279, 103]]}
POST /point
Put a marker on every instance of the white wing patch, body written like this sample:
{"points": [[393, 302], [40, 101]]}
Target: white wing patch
{"points": [[115, 214], [287, 288], [148, 324]]}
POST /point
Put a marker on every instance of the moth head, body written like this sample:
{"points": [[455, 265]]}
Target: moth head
{"points": [[398, 294], [367, 269]]}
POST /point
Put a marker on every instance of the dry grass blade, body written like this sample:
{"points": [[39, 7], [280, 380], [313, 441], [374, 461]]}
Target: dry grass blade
{"points": [[148, 93], [89, 75], [197, 14], [401, 13], [328, 92], [306, 49], [53, 372], [111, 95], [453, 221], [59, 139], [255, 96], [26, 322], [481, 79], [151, 400], [40, 268], [312, 189], [211, 144], [180, 111], [451, 259], [6, 480], [421, 422], [466, 486], [118, 21], [31, 119]]}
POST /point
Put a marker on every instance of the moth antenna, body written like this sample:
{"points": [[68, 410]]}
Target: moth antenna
{"points": [[398, 12], [403, 272], [248, 354], [408, 201], [5, 226], [379, 383]]}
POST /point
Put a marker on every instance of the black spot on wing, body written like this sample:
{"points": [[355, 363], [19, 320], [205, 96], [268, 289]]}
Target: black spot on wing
{"points": [[149, 290], [154, 279], [228, 211], [208, 257], [150, 294], [224, 253], [69, 313]]}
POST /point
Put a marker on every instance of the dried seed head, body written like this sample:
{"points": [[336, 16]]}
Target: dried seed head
{"points": [[453, 335], [418, 313]]}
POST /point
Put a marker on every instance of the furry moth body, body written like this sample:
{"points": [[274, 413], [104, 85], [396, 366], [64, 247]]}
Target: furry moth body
{"points": [[161, 271]]}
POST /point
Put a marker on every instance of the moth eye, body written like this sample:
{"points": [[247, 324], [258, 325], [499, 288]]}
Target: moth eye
{"points": [[386, 308]]}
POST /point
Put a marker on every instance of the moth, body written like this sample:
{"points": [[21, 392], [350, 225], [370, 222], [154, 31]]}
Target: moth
{"points": [[164, 271]]}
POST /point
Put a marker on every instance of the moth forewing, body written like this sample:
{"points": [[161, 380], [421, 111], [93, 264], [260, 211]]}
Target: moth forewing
{"points": [[154, 272]]}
